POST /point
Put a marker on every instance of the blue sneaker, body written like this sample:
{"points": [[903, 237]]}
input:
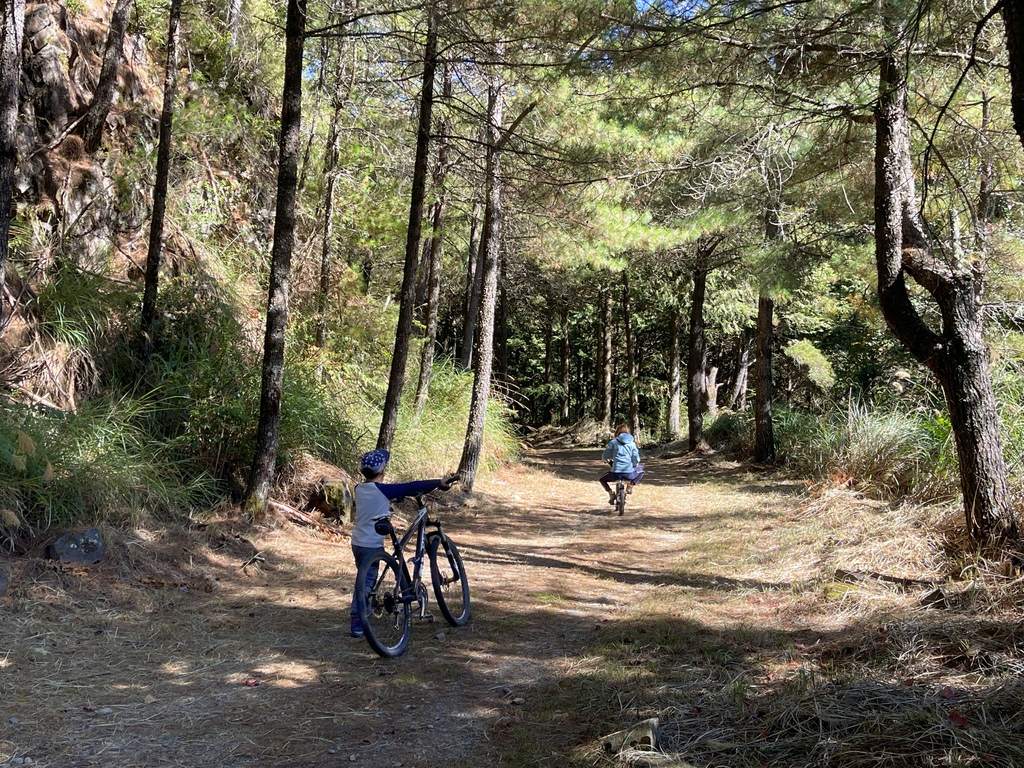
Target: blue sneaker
{"points": [[357, 627]]}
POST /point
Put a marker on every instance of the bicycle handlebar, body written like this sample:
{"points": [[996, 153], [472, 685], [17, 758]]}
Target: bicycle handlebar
{"points": [[446, 485]]}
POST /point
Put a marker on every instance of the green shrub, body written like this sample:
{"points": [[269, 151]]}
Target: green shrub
{"points": [[96, 464], [730, 429], [432, 446], [884, 453]]}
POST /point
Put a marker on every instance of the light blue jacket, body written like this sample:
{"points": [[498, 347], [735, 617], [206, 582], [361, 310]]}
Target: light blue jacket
{"points": [[623, 450]]}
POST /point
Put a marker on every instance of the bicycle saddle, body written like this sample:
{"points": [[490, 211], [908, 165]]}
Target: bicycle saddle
{"points": [[383, 526]]}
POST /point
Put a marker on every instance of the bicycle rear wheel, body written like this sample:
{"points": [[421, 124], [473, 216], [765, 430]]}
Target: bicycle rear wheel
{"points": [[384, 615], [451, 587], [620, 497]]}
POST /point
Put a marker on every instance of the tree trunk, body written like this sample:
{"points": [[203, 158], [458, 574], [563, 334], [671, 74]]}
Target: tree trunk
{"points": [[764, 432], [696, 361], [563, 353], [403, 334], [709, 395], [471, 304], [674, 382], [634, 395], [433, 296], [957, 355], [11, 39], [986, 178], [604, 414], [268, 431], [501, 332], [342, 96], [438, 211], [163, 165], [484, 348], [1013, 22], [234, 22], [103, 96], [738, 395], [423, 275], [764, 429], [549, 366]]}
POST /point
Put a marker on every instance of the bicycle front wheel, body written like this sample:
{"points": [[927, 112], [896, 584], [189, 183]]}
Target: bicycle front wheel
{"points": [[620, 498], [384, 614], [451, 587]]}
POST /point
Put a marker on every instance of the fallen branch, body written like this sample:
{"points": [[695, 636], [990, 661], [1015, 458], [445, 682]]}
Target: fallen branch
{"points": [[854, 577], [298, 516]]}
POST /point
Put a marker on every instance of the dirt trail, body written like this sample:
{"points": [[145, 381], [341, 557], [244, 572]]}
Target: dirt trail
{"points": [[100, 670]]}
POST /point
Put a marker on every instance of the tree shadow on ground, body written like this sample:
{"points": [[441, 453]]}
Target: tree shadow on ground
{"points": [[586, 464], [573, 636]]}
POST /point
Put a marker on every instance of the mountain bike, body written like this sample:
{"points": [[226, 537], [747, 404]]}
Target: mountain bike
{"points": [[621, 491], [386, 611], [620, 496]]}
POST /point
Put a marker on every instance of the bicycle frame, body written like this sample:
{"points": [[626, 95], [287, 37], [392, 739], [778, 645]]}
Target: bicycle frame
{"points": [[413, 588]]}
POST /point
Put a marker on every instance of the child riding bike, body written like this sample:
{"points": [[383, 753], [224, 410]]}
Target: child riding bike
{"points": [[624, 458]]}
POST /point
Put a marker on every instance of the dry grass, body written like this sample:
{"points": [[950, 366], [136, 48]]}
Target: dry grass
{"points": [[713, 605]]}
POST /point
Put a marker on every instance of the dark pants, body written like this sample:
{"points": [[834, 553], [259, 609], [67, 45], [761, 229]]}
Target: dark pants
{"points": [[361, 554], [633, 477]]}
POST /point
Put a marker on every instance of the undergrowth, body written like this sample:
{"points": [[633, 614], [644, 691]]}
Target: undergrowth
{"points": [[130, 446], [883, 452]]}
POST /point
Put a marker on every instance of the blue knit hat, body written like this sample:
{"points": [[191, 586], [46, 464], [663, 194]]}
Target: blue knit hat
{"points": [[375, 461]]}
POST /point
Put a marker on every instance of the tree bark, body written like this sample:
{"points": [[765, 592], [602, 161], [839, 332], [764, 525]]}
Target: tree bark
{"points": [[709, 395], [403, 334], [438, 211], [423, 275], [471, 304], [634, 395], [696, 360], [342, 96], [563, 353], [268, 430], [484, 348], [764, 429], [1013, 22], [501, 330], [234, 22], [674, 380], [604, 415], [163, 165], [432, 298], [738, 394], [103, 96], [11, 38], [764, 432], [956, 354]]}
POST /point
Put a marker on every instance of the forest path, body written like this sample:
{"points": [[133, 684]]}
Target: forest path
{"points": [[95, 671]]}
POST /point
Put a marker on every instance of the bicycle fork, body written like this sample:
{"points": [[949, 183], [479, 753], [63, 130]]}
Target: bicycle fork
{"points": [[417, 589]]}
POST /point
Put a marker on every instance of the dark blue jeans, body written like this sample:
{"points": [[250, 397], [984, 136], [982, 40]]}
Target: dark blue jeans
{"points": [[361, 554], [634, 477]]}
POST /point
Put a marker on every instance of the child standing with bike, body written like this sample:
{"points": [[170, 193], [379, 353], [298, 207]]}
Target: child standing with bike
{"points": [[624, 458], [373, 502]]}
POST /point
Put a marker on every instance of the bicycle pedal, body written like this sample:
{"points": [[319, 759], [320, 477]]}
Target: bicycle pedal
{"points": [[429, 618]]}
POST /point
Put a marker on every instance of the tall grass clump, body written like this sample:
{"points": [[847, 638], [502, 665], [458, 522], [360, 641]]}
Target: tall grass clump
{"points": [[730, 429], [431, 446], [315, 416], [98, 463], [887, 454], [1008, 380], [206, 373]]}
